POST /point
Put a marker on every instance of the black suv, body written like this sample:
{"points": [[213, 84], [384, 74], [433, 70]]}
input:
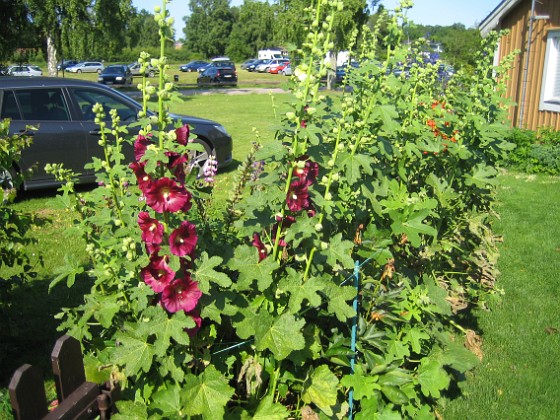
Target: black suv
{"points": [[61, 109], [217, 76]]}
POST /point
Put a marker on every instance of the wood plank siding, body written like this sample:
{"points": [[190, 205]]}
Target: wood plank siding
{"points": [[517, 20]]}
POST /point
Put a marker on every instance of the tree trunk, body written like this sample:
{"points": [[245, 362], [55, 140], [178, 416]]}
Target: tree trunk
{"points": [[51, 56], [331, 72]]}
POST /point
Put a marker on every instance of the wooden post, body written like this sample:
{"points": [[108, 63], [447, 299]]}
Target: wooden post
{"points": [[68, 366], [27, 393]]}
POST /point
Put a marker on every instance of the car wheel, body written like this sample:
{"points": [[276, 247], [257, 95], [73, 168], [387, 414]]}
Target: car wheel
{"points": [[98, 71], [198, 161], [151, 73], [78, 71]]}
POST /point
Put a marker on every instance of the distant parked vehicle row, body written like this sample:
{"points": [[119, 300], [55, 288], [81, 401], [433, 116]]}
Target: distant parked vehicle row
{"points": [[193, 66]]}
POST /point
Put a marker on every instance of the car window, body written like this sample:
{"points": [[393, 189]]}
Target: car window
{"points": [[43, 104], [87, 98], [9, 106]]}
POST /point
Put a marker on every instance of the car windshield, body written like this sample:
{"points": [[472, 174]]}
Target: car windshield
{"points": [[114, 69]]}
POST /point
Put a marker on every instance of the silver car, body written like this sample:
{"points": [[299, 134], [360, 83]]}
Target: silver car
{"points": [[25, 70], [86, 67]]}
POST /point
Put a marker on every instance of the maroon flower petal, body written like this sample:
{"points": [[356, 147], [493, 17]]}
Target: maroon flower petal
{"points": [[181, 294], [166, 195], [157, 274], [140, 145], [182, 240], [298, 196], [260, 246], [182, 134], [197, 320], [144, 180], [152, 229]]}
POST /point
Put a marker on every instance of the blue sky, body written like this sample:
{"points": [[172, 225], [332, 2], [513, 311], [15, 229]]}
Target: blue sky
{"points": [[426, 12]]}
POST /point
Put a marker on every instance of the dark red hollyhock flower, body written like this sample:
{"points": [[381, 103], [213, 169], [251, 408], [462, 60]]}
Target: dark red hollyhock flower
{"points": [[144, 180], [309, 172], [181, 294], [197, 320], [182, 134], [182, 240], [257, 243], [140, 145], [152, 229], [177, 164], [152, 248], [157, 274], [298, 196], [166, 195]]}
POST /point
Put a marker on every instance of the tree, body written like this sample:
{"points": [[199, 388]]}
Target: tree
{"points": [[253, 29], [143, 30], [14, 25], [111, 18], [208, 27]]}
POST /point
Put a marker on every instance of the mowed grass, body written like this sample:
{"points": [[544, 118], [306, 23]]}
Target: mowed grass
{"points": [[519, 377]]}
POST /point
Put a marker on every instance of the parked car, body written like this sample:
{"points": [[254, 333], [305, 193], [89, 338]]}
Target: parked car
{"points": [[61, 109], [193, 66], [25, 70], [251, 67], [86, 67], [247, 63], [117, 74], [262, 67], [221, 62], [276, 68], [287, 71], [217, 76], [62, 66], [148, 72]]}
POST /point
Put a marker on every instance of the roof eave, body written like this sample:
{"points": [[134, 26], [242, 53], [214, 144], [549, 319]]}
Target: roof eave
{"points": [[492, 21]]}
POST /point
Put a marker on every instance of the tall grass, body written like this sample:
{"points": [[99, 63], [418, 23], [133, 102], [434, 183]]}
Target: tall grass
{"points": [[519, 377]]}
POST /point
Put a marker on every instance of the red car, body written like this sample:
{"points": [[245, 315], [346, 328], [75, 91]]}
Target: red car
{"points": [[278, 67]]}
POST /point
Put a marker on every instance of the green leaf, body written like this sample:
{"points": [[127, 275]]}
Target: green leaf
{"points": [[300, 290], [322, 389], [458, 356], [388, 116], [68, 271], [166, 327], [130, 410], [207, 394], [339, 251], [205, 273], [482, 177], [167, 401], [281, 335], [338, 297], [355, 166], [246, 262], [106, 309], [364, 386], [432, 377], [269, 410], [414, 336], [394, 394], [412, 226], [133, 353]]}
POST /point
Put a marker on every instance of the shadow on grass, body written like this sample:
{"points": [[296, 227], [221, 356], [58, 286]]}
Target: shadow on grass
{"points": [[28, 328]]}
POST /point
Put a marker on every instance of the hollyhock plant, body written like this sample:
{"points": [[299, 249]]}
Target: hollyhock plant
{"points": [[182, 240], [197, 320], [157, 274], [166, 195], [181, 294], [152, 229], [307, 173]]}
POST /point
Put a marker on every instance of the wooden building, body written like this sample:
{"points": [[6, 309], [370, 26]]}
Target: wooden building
{"points": [[534, 83]]}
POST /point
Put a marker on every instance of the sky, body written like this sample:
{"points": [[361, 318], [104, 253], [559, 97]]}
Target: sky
{"points": [[425, 12]]}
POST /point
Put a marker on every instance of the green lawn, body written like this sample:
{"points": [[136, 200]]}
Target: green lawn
{"points": [[519, 377]]}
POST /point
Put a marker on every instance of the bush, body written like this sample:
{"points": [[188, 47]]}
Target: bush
{"points": [[535, 151]]}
